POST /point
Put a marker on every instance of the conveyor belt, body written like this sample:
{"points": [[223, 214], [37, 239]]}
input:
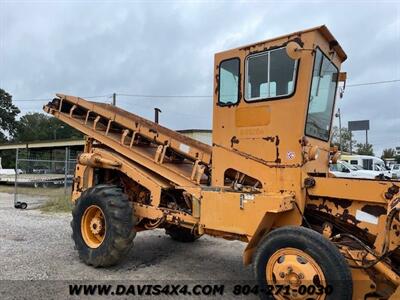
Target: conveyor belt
{"points": [[136, 138]]}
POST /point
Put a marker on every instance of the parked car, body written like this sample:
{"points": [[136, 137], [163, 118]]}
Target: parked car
{"points": [[346, 170], [395, 169]]}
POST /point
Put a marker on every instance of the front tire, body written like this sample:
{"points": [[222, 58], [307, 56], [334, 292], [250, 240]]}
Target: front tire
{"points": [[103, 225], [295, 256]]}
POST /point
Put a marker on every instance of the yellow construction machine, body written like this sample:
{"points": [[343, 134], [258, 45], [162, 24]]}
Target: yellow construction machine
{"points": [[264, 181]]}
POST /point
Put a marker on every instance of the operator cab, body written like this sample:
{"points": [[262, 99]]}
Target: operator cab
{"points": [[275, 98]]}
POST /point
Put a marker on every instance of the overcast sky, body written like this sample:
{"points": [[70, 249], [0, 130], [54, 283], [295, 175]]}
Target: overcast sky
{"points": [[95, 48]]}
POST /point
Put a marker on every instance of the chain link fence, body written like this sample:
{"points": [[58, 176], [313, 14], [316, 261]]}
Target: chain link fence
{"points": [[42, 175]]}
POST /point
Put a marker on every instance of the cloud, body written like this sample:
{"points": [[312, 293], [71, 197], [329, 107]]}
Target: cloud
{"points": [[167, 48]]}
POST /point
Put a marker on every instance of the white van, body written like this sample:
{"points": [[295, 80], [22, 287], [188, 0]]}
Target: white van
{"points": [[346, 170], [367, 162]]}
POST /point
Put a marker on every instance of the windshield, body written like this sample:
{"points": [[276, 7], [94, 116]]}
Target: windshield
{"points": [[380, 167], [342, 166], [349, 166], [322, 97]]}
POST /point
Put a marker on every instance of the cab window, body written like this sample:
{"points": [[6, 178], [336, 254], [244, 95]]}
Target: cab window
{"points": [[322, 97], [228, 93], [269, 75]]}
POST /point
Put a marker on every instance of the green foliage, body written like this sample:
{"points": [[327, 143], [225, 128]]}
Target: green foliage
{"points": [[2, 138], [388, 153], [347, 139], [8, 159], [8, 112], [364, 149], [38, 126]]}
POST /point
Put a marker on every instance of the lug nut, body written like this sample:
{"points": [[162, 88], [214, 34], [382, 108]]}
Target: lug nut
{"points": [[282, 275], [301, 276], [290, 269]]}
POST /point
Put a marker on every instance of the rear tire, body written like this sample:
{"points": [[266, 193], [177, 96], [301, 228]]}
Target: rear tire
{"points": [[106, 209], [303, 251], [181, 234]]}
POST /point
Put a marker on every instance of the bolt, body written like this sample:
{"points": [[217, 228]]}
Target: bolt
{"points": [[301, 276], [282, 275], [290, 269], [389, 195]]}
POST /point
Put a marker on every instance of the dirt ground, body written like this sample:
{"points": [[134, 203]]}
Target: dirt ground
{"points": [[37, 255]]}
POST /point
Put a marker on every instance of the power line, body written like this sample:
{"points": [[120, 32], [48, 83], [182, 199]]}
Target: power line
{"points": [[48, 99], [168, 109], [164, 96], [373, 83], [191, 96]]}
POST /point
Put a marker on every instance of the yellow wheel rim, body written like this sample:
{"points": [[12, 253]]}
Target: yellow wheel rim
{"points": [[93, 226], [294, 268]]}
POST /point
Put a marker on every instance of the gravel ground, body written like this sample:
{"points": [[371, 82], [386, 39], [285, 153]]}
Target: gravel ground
{"points": [[37, 255]]}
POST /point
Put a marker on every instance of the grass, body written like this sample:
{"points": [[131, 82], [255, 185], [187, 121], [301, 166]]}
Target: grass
{"points": [[57, 200], [57, 204], [49, 192]]}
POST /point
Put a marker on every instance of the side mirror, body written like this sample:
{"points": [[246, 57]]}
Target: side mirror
{"points": [[336, 155], [313, 153], [293, 50]]}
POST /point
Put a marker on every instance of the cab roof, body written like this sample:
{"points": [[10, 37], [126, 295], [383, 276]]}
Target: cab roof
{"points": [[334, 44]]}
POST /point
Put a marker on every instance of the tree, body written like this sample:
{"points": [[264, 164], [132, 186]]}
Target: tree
{"points": [[365, 149], [347, 139], [8, 112], [38, 126], [2, 138], [388, 153]]}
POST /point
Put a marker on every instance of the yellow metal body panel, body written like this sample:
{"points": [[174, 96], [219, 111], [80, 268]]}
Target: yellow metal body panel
{"points": [[253, 116], [365, 190], [243, 212]]}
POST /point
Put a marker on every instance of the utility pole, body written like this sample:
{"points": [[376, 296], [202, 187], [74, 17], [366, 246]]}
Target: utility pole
{"points": [[114, 99], [351, 142], [55, 131], [338, 115]]}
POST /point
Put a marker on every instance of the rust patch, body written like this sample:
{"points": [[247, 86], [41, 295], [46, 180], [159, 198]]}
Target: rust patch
{"points": [[349, 218], [340, 202]]}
